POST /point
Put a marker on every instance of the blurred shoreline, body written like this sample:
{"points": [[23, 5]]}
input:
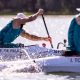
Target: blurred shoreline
{"points": [[29, 13]]}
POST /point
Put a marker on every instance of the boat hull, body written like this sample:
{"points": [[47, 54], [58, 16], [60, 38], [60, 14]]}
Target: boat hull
{"points": [[60, 64], [48, 59]]}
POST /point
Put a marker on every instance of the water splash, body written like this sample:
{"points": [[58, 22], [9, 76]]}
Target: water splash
{"points": [[21, 66], [34, 66]]}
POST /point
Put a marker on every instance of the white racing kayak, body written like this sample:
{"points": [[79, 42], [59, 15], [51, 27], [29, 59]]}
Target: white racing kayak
{"points": [[48, 59], [60, 64]]}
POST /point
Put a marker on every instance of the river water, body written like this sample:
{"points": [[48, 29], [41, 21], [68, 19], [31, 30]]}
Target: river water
{"points": [[58, 28]]}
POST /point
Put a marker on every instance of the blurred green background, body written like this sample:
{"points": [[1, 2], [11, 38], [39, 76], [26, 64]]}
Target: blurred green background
{"points": [[61, 7]]}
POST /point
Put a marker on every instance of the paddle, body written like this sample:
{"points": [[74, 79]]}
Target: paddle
{"points": [[47, 30]]}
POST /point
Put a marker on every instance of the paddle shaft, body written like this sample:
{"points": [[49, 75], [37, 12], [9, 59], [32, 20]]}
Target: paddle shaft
{"points": [[47, 30]]}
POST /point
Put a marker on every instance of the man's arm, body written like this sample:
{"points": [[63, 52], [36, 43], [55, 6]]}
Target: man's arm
{"points": [[32, 17], [33, 37], [17, 22]]}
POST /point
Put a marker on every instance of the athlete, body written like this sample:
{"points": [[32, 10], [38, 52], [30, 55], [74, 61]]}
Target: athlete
{"points": [[74, 37], [15, 28]]}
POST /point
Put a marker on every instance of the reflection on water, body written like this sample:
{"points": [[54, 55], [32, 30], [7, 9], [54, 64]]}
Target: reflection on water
{"points": [[58, 28]]}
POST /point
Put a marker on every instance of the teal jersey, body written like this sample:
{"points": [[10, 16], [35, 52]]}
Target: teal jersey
{"points": [[74, 36], [8, 34]]}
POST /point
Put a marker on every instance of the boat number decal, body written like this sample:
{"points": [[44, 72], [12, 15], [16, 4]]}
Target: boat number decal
{"points": [[74, 59], [9, 50]]}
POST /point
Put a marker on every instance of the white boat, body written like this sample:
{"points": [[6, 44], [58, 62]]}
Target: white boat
{"points": [[60, 64], [48, 59], [54, 62]]}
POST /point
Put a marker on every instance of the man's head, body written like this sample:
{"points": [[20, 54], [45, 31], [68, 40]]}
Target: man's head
{"points": [[20, 15]]}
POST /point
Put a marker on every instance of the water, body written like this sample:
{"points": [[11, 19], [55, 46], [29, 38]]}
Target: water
{"points": [[58, 28]]}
